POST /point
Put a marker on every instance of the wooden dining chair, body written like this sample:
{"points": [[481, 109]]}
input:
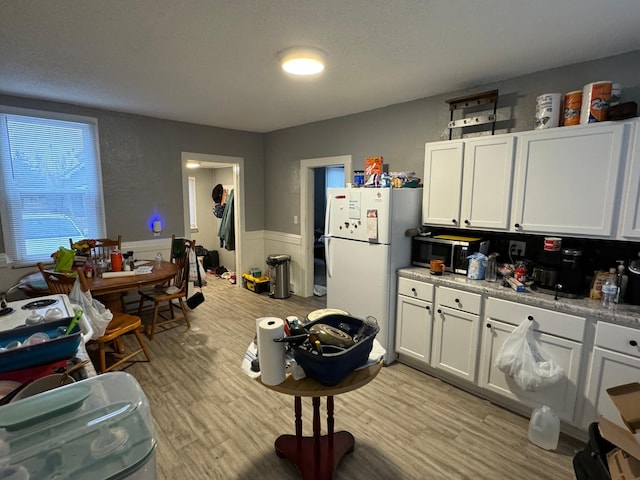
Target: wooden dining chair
{"points": [[120, 324], [164, 297], [102, 248]]}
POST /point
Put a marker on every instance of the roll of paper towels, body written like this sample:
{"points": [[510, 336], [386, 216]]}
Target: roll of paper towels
{"points": [[595, 102], [270, 353], [548, 109]]}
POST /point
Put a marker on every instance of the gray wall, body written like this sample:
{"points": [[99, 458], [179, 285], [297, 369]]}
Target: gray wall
{"points": [[141, 155], [141, 169], [399, 132]]}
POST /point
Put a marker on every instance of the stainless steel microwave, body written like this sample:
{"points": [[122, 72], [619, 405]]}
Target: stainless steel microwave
{"points": [[453, 250]]}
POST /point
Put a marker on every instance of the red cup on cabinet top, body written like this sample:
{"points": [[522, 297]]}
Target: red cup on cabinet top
{"points": [[552, 244]]}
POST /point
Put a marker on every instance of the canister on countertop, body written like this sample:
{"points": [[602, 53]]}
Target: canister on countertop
{"points": [[552, 244]]}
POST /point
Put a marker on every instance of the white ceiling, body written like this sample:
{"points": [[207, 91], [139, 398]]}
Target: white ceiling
{"points": [[214, 62]]}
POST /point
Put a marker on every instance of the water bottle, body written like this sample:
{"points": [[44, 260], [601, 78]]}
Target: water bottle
{"points": [[544, 428], [610, 291], [158, 259]]}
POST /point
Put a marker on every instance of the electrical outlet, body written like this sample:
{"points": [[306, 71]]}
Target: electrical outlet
{"points": [[517, 248]]}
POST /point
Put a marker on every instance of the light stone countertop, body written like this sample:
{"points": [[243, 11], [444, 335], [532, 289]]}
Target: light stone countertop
{"points": [[628, 315]]}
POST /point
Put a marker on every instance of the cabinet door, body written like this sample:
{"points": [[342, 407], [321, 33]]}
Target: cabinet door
{"points": [[630, 220], [561, 397], [413, 328], [442, 183], [608, 369], [455, 342], [567, 179], [486, 185]]}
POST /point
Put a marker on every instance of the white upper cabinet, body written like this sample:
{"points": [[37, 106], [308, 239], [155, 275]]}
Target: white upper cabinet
{"points": [[630, 214], [468, 182], [486, 185], [567, 178], [442, 183]]}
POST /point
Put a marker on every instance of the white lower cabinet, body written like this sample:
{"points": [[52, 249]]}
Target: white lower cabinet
{"points": [[560, 336], [455, 332], [414, 319], [615, 361]]}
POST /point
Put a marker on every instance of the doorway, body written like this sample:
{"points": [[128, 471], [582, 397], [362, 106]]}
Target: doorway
{"points": [[310, 171], [211, 170]]}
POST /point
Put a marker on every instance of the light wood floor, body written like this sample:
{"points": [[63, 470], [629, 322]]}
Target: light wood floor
{"points": [[214, 422]]}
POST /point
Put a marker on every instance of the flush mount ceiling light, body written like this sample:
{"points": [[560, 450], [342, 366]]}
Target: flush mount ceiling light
{"points": [[192, 164], [302, 60]]}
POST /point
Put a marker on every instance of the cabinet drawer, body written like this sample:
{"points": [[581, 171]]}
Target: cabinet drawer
{"points": [[618, 338], [415, 289], [466, 301], [546, 321]]}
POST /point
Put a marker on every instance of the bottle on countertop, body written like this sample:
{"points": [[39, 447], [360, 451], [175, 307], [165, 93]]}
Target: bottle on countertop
{"points": [[610, 291], [158, 259], [621, 280]]}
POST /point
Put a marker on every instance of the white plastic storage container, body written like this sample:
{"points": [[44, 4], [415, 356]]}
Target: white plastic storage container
{"points": [[99, 428]]}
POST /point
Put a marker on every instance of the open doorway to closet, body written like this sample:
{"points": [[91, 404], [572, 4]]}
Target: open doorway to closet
{"points": [[316, 175], [200, 222]]}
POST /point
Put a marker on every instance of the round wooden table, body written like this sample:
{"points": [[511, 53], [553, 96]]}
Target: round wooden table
{"points": [[109, 289], [317, 457]]}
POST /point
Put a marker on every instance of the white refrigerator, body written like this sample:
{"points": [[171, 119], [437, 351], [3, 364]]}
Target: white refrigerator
{"points": [[364, 246]]}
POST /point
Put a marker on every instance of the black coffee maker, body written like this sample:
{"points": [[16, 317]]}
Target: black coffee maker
{"points": [[632, 295], [571, 280]]}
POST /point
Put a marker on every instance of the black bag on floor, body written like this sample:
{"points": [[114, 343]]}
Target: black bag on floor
{"points": [[197, 298], [591, 462], [211, 260]]}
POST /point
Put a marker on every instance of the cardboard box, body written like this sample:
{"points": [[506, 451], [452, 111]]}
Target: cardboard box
{"points": [[372, 166], [627, 399], [625, 463], [622, 466]]}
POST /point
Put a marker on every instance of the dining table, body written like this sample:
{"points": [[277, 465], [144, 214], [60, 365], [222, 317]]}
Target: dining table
{"points": [[109, 289]]}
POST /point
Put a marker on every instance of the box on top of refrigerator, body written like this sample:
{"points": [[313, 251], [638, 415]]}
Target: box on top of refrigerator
{"points": [[99, 428]]}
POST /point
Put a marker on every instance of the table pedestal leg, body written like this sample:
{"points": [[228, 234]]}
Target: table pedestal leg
{"points": [[316, 457]]}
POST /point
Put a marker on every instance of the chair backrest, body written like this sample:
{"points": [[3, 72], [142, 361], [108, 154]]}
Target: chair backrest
{"points": [[102, 248], [61, 282], [182, 276]]}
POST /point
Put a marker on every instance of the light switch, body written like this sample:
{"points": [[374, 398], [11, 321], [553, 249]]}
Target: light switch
{"points": [[295, 219]]}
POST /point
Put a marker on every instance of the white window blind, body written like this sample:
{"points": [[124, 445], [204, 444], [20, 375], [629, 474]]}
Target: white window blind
{"points": [[51, 182], [193, 214]]}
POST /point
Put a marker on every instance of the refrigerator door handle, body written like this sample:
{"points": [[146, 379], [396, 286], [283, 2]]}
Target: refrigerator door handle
{"points": [[327, 235]]}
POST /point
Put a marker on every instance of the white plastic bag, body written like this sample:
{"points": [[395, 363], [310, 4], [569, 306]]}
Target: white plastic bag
{"points": [[193, 273], [522, 358], [96, 313]]}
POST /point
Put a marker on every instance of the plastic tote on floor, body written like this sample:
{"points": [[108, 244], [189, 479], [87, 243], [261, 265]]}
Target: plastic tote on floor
{"points": [[99, 428]]}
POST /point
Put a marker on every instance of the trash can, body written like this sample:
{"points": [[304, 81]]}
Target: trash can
{"points": [[279, 275]]}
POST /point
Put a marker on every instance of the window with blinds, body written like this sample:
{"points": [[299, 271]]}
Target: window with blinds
{"points": [[51, 182]]}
